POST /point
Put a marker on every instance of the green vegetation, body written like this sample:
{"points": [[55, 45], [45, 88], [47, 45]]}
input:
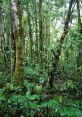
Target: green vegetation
{"points": [[40, 58]]}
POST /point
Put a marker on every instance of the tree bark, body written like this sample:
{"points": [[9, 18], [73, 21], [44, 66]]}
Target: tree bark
{"points": [[18, 32], [58, 52], [13, 44], [79, 57], [40, 33], [30, 34], [36, 34], [3, 46]]}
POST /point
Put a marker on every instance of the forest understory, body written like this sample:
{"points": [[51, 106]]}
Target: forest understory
{"points": [[40, 58]]}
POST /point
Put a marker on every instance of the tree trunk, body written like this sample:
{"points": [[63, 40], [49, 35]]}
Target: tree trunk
{"points": [[30, 34], [13, 44], [79, 58], [58, 52], [36, 34], [3, 46], [18, 32], [40, 33], [47, 22]]}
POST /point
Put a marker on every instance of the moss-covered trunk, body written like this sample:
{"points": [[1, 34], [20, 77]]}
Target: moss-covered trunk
{"points": [[18, 32]]}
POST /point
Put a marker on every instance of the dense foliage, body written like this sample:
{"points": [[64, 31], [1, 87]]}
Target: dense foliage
{"points": [[40, 58]]}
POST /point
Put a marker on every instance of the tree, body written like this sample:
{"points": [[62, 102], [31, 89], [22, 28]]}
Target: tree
{"points": [[13, 43], [3, 45], [18, 33], [58, 52], [40, 32], [79, 58], [30, 33], [36, 32]]}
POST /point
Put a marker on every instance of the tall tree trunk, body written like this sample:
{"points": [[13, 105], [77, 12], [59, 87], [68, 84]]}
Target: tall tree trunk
{"points": [[3, 45], [48, 37], [18, 32], [13, 45], [66, 30], [36, 34], [30, 34], [58, 52], [40, 33], [79, 58]]}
